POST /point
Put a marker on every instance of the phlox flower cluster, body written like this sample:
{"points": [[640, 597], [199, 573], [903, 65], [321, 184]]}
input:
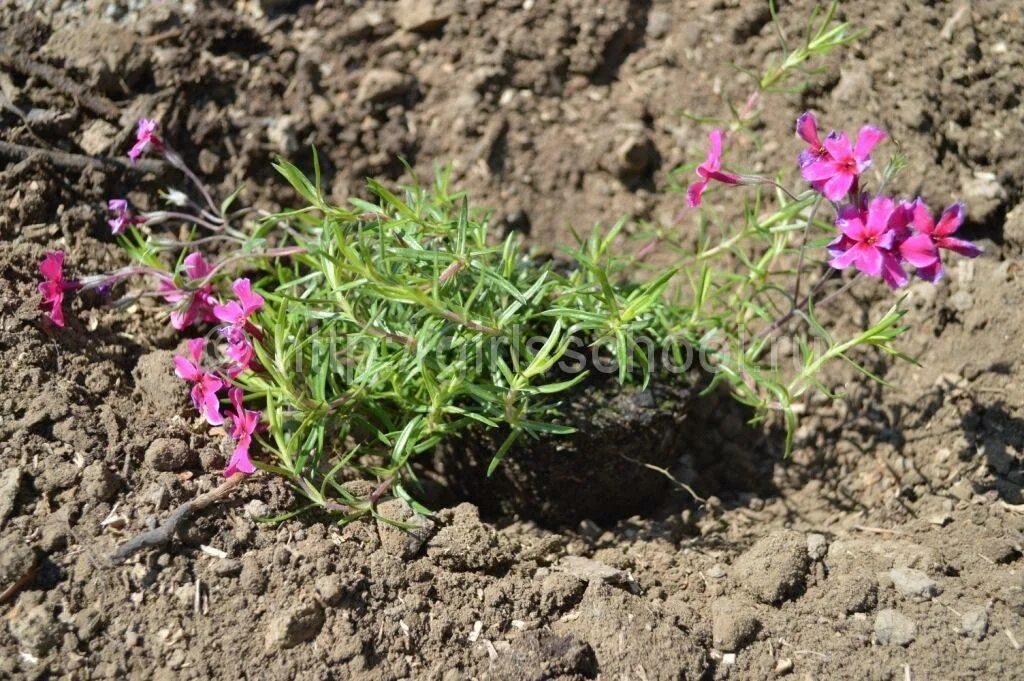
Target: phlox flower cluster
{"points": [[878, 235], [194, 302]]}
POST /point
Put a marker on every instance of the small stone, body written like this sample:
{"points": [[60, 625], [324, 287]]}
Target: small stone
{"points": [[227, 567], [783, 666], [962, 490], [1013, 230], [99, 482], [983, 193], [36, 631], [716, 571], [379, 85], [170, 455], [298, 625], [257, 509], [97, 137], [914, 583], [893, 628], [817, 546], [974, 623], [10, 487], [588, 569], [734, 624], [658, 23], [421, 16]]}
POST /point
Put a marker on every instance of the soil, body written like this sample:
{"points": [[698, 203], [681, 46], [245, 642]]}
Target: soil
{"points": [[889, 545]]}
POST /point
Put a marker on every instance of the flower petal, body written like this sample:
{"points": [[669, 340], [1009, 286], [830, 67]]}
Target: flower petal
{"points": [[838, 186], [838, 146], [823, 169], [868, 259], [714, 156], [892, 273], [919, 250], [932, 272], [196, 266], [880, 210], [52, 266], [961, 246], [695, 193], [950, 220], [867, 139], [250, 301], [185, 370], [807, 128], [240, 461], [920, 217]]}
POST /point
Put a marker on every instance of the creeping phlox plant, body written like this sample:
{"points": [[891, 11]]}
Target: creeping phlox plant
{"points": [[345, 340]]}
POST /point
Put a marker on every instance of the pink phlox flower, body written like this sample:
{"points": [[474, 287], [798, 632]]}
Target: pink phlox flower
{"points": [[807, 129], [710, 169], [836, 173], [145, 137], [244, 423], [235, 314], [54, 286], [921, 249], [205, 386], [122, 216], [193, 305], [868, 240]]}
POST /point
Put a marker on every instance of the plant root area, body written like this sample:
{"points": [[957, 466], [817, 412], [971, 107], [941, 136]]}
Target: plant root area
{"points": [[887, 547]]}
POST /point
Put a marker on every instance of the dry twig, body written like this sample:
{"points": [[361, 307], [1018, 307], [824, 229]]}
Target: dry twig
{"points": [[98, 104], [165, 531], [69, 161]]}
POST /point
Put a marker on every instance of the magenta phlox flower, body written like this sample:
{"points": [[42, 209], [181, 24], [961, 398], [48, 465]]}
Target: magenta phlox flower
{"points": [[868, 239], [244, 423], [192, 305], [807, 129], [145, 137], [836, 173], [710, 169], [236, 313], [921, 249], [122, 216], [205, 385], [53, 286]]}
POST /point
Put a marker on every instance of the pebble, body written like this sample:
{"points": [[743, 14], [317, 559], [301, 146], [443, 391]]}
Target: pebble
{"points": [[297, 625], [817, 546], [10, 487], [893, 628], [974, 623], [423, 16], [914, 583], [983, 193], [658, 23], [378, 85], [256, 509]]}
